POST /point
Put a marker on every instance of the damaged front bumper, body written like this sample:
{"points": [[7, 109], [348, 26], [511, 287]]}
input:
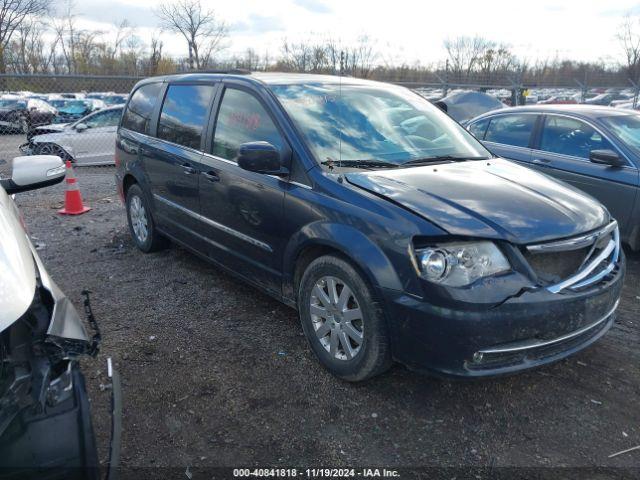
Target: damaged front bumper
{"points": [[529, 329]]}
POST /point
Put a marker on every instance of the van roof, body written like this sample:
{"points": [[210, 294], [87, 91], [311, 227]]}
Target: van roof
{"points": [[268, 78]]}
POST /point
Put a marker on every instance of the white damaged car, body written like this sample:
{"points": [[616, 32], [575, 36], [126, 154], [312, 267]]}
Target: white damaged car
{"points": [[45, 420], [88, 141]]}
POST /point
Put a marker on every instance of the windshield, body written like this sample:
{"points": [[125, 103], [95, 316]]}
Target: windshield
{"points": [[11, 103], [626, 128], [76, 104], [374, 123]]}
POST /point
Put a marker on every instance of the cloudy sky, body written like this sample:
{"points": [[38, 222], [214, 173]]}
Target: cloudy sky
{"points": [[403, 30]]}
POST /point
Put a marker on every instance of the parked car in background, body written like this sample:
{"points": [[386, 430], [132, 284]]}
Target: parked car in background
{"points": [[110, 98], [76, 96], [88, 141], [390, 228], [22, 114], [595, 149], [627, 105], [559, 100], [605, 99], [115, 99], [45, 419], [462, 105], [72, 110]]}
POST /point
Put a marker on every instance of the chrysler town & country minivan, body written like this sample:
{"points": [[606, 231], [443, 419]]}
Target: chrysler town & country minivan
{"points": [[391, 229]]}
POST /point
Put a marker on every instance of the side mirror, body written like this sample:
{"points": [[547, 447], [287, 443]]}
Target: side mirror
{"points": [[32, 172], [81, 127], [606, 157], [261, 157]]}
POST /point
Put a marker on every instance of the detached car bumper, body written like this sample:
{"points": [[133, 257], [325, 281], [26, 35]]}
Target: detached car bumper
{"points": [[526, 331]]}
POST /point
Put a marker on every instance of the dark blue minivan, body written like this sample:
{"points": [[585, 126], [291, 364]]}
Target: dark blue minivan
{"points": [[389, 227]]}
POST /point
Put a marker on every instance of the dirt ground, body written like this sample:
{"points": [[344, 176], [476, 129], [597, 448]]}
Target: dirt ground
{"points": [[217, 374]]}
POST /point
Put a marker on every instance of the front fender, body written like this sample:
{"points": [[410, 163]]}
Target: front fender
{"points": [[348, 240]]}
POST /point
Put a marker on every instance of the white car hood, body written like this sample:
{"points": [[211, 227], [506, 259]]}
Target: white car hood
{"points": [[17, 265], [58, 127]]}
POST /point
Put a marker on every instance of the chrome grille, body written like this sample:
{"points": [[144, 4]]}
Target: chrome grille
{"points": [[576, 262]]}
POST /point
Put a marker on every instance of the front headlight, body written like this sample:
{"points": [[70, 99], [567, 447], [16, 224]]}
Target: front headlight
{"points": [[460, 264]]}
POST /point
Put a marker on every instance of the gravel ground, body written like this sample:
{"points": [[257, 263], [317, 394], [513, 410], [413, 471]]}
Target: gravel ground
{"points": [[217, 374]]}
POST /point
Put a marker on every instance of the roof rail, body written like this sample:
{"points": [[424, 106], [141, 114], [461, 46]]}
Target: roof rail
{"points": [[232, 71]]}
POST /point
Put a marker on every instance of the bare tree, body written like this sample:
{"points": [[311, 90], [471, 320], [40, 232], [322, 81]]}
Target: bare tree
{"points": [[203, 31], [27, 52], [629, 38], [297, 56], [359, 59], [14, 13], [464, 55], [64, 27]]}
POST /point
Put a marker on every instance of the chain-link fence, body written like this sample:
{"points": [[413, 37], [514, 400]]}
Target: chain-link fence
{"points": [[72, 116], [76, 116]]}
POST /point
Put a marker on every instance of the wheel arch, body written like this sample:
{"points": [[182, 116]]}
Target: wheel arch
{"points": [[128, 180], [343, 241], [66, 149]]}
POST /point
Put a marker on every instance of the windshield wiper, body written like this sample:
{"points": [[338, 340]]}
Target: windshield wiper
{"points": [[442, 158], [359, 163]]}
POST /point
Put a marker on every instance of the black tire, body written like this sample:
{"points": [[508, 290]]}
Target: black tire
{"points": [[152, 241], [374, 354]]}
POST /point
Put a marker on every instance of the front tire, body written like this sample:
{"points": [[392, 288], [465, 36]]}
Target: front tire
{"points": [[342, 320], [141, 225], [52, 149]]}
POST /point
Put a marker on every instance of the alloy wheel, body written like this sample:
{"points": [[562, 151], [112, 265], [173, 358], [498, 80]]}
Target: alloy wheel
{"points": [[139, 221], [337, 318]]}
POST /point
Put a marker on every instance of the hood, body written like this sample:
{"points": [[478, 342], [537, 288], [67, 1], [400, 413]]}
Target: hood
{"points": [[57, 127], [489, 199], [17, 267]]}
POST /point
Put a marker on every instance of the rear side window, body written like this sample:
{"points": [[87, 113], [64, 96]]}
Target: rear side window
{"points": [[241, 119], [569, 136], [511, 129], [138, 113], [110, 118], [184, 114]]}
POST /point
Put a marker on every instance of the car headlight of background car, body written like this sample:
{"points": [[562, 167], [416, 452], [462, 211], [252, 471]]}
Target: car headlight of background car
{"points": [[460, 264]]}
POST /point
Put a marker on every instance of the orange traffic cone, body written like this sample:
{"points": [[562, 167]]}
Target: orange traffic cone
{"points": [[72, 198]]}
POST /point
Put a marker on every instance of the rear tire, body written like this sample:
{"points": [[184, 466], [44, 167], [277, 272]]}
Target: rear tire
{"points": [[342, 320], [141, 225]]}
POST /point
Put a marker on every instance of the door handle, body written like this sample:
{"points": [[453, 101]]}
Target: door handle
{"points": [[211, 176], [541, 161], [188, 169]]}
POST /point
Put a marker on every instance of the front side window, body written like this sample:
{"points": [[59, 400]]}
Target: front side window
{"points": [[140, 108], [569, 136], [184, 114], [377, 123], [104, 119], [511, 130], [242, 119], [626, 128]]}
